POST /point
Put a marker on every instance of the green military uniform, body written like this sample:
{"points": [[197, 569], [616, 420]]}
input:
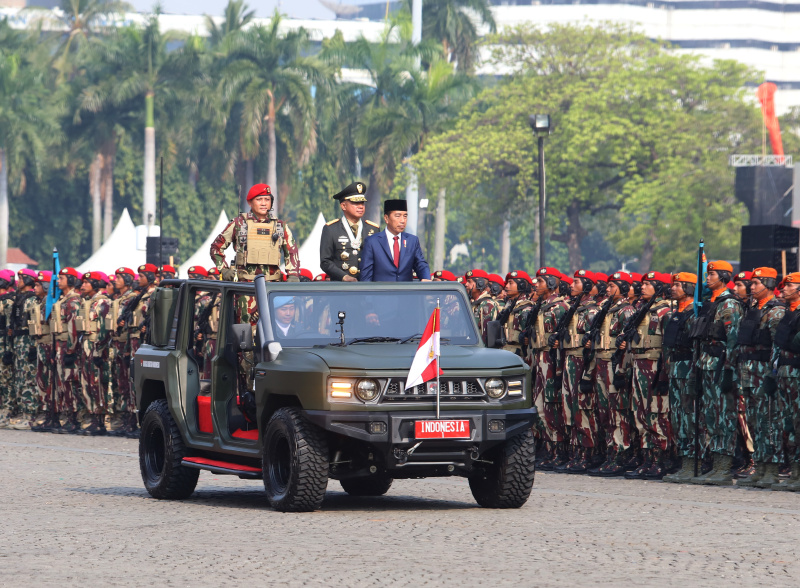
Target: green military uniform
{"points": [[8, 404], [484, 309], [24, 357], [787, 349]]}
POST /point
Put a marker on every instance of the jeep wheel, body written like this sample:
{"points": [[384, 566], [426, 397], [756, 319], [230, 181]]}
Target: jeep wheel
{"points": [[161, 452], [295, 462], [376, 485], [507, 483]]}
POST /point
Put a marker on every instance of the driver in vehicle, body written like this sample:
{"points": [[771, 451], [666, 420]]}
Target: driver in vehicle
{"points": [[285, 315]]}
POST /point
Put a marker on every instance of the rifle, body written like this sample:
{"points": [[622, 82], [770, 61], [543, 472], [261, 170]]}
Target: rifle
{"points": [[698, 305], [526, 331], [593, 331], [558, 335], [630, 332]]}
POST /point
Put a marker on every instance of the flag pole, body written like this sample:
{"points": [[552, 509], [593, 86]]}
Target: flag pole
{"points": [[438, 389]]}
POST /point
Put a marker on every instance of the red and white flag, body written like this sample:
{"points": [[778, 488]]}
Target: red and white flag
{"points": [[425, 366]]}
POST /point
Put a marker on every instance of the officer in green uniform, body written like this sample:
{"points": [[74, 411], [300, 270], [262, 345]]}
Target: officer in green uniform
{"points": [[340, 245]]}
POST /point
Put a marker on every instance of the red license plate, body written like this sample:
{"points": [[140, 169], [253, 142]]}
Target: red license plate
{"points": [[441, 430]]}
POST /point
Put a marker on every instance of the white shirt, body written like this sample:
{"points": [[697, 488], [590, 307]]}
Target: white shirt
{"points": [[390, 237], [283, 328]]}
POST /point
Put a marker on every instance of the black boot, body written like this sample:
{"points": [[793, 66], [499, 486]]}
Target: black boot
{"points": [[563, 468], [610, 457], [96, 427], [658, 469], [71, 427], [561, 454], [580, 464], [639, 473], [131, 430]]}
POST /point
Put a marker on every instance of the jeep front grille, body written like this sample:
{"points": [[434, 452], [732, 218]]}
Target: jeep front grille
{"points": [[450, 389]]}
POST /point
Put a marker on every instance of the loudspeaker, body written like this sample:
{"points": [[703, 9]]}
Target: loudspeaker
{"points": [[754, 258], [769, 237], [767, 193], [169, 246]]}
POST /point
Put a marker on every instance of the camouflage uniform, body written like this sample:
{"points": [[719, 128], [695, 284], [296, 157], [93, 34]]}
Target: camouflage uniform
{"points": [[787, 348], [139, 321], [547, 391], [650, 392], [581, 421], [485, 310], [95, 344], [63, 324], [7, 396], [516, 318], [678, 357], [39, 329], [24, 354], [263, 255], [210, 342], [717, 329], [124, 401]]}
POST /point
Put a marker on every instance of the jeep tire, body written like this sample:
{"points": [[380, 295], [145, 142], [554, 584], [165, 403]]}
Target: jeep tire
{"points": [[295, 462], [507, 483], [375, 485], [161, 453]]}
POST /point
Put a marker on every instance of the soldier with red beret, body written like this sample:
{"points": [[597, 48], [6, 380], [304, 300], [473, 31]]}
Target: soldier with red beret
{"points": [[322, 278], [7, 399], [741, 286], [123, 420], [214, 274], [167, 272], [484, 308], [24, 350], [514, 317], [443, 276], [306, 275], [39, 330], [635, 292], [63, 323], [258, 238]]}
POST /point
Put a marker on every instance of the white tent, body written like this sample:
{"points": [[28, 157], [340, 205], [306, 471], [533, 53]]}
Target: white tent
{"points": [[203, 254], [119, 250], [309, 250]]}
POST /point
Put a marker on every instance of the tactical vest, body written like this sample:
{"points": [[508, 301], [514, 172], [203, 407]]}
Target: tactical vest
{"points": [[788, 327], [257, 246], [645, 341], [605, 347], [676, 336], [36, 326], [751, 333], [19, 323], [58, 320], [706, 328], [512, 333], [138, 317], [82, 320], [573, 338], [88, 326], [213, 320]]}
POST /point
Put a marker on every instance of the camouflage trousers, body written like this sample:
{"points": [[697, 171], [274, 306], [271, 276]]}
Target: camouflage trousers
{"points": [[613, 408], [542, 374], [135, 343], [44, 376], [246, 309], [124, 400], [92, 378], [650, 409], [549, 396], [581, 407], [209, 351], [682, 415], [25, 374], [719, 415], [789, 396], [109, 383], [742, 422], [767, 422], [8, 400], [68, 382]]}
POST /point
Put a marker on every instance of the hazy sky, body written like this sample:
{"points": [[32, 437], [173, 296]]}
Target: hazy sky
{"points": [[294, 8]]}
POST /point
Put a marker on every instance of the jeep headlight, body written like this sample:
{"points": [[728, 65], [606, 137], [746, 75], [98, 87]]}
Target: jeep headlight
{"points": [[495, 387], [367, 390]]}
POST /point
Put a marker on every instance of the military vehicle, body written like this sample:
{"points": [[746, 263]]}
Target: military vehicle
{"points": [[308, 383]]}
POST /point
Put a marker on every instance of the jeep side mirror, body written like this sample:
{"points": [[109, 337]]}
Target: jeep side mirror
{"points": [[494, 334], [243, 336]]}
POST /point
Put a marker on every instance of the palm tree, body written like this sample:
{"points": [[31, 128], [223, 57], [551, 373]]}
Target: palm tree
{"points": [[237, 16], [268, 75], [27, 124]]}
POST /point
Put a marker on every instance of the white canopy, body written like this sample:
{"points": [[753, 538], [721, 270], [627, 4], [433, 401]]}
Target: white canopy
{"points": [[119, 250], [203, 254], [309, 250]]}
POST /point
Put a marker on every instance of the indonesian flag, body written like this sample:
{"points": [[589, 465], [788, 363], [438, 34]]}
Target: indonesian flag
{"points": [[426, 360]]}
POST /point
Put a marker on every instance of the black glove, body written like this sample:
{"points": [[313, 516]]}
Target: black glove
{"points": [[31, 354], [770, 386], [558, 381], [662, 387], [551, 340], [619, 380], [97, 361], [726, 382], [69, 360], [586, 386], [8, 358]]}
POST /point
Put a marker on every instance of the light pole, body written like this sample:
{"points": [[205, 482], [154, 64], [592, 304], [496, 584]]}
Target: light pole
{"points": [[540, 123]]}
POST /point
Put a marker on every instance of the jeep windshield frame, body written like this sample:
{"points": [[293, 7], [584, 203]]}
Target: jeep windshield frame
{"points": [[397, 310]]}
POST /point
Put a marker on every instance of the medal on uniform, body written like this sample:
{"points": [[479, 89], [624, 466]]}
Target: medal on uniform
{"points": [[355, 240], [354, 270], [345, 255], [345, 266]]}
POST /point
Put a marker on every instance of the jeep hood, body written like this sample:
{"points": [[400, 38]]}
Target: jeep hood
{"points": [[391, 356]]}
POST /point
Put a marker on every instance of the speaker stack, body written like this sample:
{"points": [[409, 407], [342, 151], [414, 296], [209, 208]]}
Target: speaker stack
{"points": [[169, 247], [768, 246]]}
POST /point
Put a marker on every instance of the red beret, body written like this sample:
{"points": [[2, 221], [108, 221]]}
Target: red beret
{"points": [[258, 190], [548, 271], [69, 271], [636, 277], [445, 275], [497, 279], [460, 279], [44, 276], [96, 276], [746, 276], [168, 269], [306, 273], [125, 270], [148, 267], [621, 277], [198, 270], [322, 278], [657, 277], [600, 277], [476, 273], [212, 271], [519, 274], [585, 274]]}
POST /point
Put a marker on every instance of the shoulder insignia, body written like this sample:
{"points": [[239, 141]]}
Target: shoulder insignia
{"points": [[369, 222], [333, 222]]}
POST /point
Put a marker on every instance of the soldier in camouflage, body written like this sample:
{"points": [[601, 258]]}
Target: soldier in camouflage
{"points": [[39, 329], [757, 379], [742, 283], [137, 328], [551, 426], [787, 348], [7, 398], [496, 289], [484, 308], [67, 347], [95, 341], [580, 413], [24, 351], [514, 318], [613, 405], [124, 401], [716, 330], [202, 317], [679, 358]]}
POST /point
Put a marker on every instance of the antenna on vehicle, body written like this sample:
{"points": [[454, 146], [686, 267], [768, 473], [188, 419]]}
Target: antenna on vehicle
{"points": [[341, 316]]}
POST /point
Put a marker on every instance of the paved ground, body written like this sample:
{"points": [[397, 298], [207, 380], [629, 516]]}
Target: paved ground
{"points": [[73, 512]]}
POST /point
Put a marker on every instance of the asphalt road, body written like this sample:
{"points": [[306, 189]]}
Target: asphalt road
{"points": [[74, 512]]}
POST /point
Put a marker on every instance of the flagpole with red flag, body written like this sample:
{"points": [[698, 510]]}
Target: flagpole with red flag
{"points": [[425, 365], [436, 329]]}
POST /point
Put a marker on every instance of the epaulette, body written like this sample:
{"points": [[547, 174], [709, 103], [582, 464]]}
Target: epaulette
{"points": [[369, 222], [333, 222]]}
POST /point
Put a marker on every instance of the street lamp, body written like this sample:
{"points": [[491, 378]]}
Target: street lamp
{"points": [[541, 125]]}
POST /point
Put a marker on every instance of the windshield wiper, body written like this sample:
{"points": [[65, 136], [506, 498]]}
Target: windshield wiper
{"points": [[373, 340], [407, 339]]}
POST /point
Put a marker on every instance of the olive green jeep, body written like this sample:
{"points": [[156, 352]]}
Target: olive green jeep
{"points": [[307, 381]]}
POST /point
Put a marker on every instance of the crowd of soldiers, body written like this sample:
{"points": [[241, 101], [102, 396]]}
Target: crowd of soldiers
{"points": [[631, 379]]}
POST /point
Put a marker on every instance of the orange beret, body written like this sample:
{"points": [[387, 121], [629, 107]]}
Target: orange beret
{"points": [[720, 266], [685, 277], [765, 272], [793, 278]]}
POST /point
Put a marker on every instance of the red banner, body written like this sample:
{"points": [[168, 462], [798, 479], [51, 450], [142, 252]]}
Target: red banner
{"points": [[766, 95]]}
